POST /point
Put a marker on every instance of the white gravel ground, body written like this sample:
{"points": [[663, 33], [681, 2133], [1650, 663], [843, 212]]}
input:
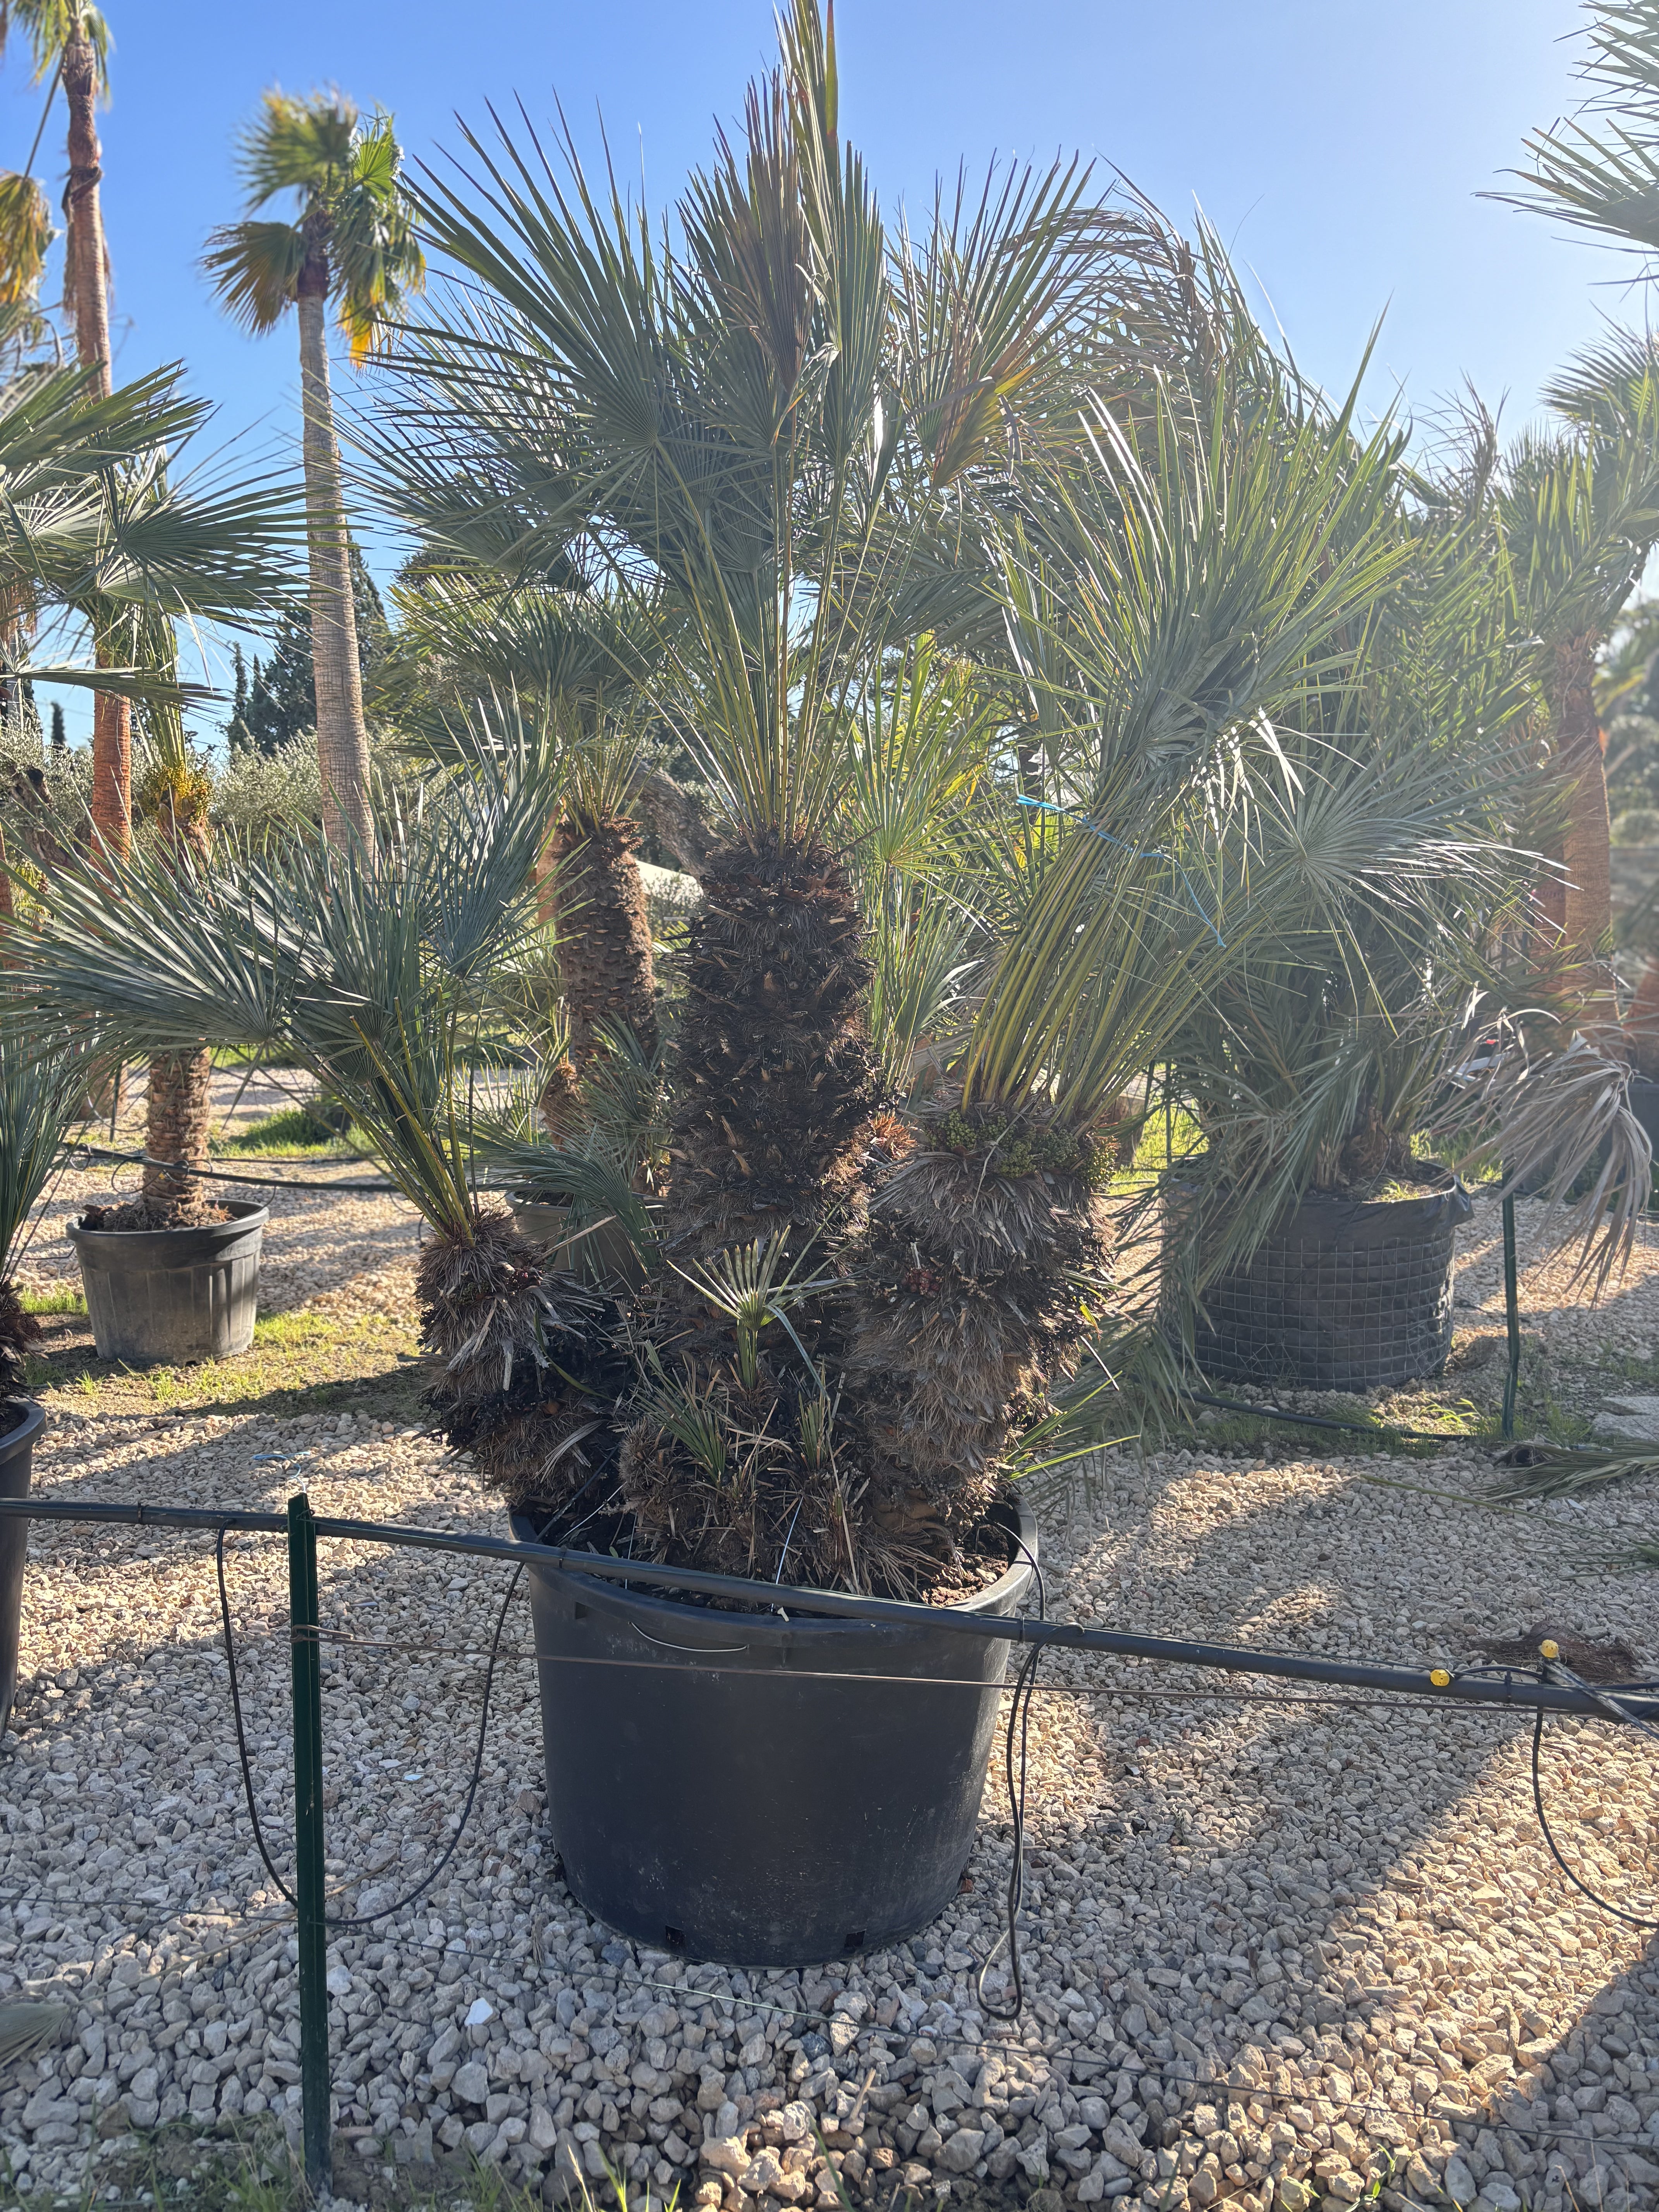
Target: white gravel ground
{"points": [[1278, 1948], [1273, 1946]]}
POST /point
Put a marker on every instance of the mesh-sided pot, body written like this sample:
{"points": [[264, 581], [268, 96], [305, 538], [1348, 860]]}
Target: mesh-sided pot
{"points": [[761, 1791], [1347, 1294], [173, 1294]]}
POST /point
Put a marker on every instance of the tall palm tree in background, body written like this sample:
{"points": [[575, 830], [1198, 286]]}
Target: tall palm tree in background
{"points": [[1578, 515], [70, 43], [1598, 172], [351, 245]]}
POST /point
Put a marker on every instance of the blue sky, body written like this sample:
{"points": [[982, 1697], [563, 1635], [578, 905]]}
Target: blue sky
{"points": [[1338, 145]]}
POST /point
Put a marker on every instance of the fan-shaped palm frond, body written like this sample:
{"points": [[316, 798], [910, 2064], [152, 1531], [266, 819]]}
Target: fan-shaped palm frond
{"points": [[372, 978], [353, 227], [1599, 171], [26, 236]]}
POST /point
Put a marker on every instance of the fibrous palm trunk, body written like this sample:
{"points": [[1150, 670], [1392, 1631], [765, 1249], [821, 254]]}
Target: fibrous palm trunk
{"points": [[341, 734], [178, 1111], [176, 1119], [775, 1079], [595, 899], [774, 1092], [968, 1310], [86, 287]]}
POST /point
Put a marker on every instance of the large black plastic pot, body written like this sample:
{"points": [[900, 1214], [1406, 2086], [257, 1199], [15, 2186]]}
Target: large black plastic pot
{"points": [[173, 1294], [1346, 1294], [748, 1795], [16, 1468]]}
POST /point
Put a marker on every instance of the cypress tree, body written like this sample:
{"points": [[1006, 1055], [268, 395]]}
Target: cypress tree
{"points": [[236, 729]]}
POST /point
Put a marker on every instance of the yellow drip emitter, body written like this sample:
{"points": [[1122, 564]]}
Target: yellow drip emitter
{"points": [[1439, 1677], [1549, 1649]]}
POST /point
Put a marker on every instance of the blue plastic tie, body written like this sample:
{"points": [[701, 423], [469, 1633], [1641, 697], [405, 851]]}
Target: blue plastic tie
{"points": [[1074, 814]]}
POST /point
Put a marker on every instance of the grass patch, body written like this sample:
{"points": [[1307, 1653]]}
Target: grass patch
{"points": [[290, 1131], [252, 2170], [1243, 1433], [66, 1299], [1161, 1145], [299, 1363]]}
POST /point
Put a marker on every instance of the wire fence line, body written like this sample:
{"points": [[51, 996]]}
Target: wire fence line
{"points": [[992, 2040]]}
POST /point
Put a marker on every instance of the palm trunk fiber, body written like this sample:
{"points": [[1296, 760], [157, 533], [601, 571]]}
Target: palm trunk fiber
{"points": [[112, 767], [776, 1079], [177, 1117], [525, 1359], [970, 1308], [595, 899], [179, 1103], [773, 1093], [86, 284], [85, 291], [342, 733]]}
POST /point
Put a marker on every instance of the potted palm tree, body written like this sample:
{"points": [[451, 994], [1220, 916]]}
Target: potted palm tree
{"points": [[105, 528], [1311, 1245], [172, 1275], [834, 473]]}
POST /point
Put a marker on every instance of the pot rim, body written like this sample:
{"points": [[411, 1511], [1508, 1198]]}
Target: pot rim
{"points": [[1445, 1183], [245, 1217], [33, 1420], [769, 1630]]}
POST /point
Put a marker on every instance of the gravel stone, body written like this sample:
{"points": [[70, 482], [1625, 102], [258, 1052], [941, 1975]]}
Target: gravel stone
{"points": [[1276, 1948]]}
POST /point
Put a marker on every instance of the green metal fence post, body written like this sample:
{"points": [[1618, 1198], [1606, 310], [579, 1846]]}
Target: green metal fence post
{"points": [[1511, 1318], [308, 1843]]}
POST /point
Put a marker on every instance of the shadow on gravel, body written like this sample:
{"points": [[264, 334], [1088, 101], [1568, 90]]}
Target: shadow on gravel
{"points": [[1295, 1909], [1262, 1937]]}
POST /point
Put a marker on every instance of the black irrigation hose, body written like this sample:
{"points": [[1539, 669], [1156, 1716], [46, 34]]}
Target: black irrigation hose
{"points": [[1384, 1432], [224, 1175], [1020, 1715], [1614, 1710], [236, 1714], [1438, 1684], [1597, 1702], [1631, 1919], [364, 1919]]}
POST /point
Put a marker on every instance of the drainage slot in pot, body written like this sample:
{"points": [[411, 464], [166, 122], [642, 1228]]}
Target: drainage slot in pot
{"points": [[672, 1937], [854, 1941]]}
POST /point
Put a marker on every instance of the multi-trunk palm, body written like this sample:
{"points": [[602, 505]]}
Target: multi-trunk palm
{"points": [[1019, 509]]}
